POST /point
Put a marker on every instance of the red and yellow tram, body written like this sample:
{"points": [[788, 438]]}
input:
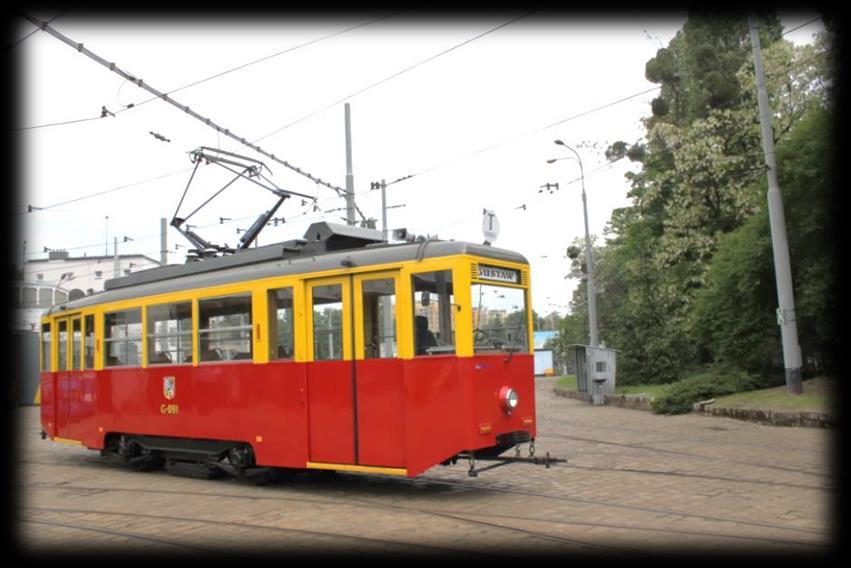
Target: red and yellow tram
{"points": [[336, 351]]}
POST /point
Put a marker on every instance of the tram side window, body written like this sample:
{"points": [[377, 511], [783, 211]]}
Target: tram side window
{"points": [[281, 323], [327, 322], [434, 314], [62, 359], [379, 318], [89, 342], [45, 347], [123, 338], [224, 328], [170, 333], [76, 342]]}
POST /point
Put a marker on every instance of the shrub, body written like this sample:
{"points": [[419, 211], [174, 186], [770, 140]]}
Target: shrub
{"points": [[681, 396]]}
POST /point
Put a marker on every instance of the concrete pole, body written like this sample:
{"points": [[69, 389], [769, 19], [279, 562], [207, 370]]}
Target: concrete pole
{"points": [[384, 210], [163, 241], [386, 305], [350, 178], [779, 244], [589, 261], [116, 268]]}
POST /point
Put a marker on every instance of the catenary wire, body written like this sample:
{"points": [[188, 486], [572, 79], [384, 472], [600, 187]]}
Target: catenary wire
{"points": [[266, 58], [165, 97], [393, 76]]}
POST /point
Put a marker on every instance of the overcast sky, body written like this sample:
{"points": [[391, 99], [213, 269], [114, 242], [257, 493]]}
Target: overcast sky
{"points": [[475, 125]]}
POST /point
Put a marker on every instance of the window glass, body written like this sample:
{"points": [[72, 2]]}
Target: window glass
{"points": [[62, 358], [61, 297], [499, 318], [224, 328], [123, 338], [77, 335], [281, 323], [28, 298], [170, 333], [434, 313], [45, 297], [327, 322], [45, 347], [89, 342], [379, 318]]}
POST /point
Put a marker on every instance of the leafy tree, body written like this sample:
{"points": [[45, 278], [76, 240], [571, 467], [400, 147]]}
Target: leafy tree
{"points": [[692, 236]]}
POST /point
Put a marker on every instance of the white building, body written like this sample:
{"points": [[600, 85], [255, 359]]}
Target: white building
{"points": [[84, 273]]}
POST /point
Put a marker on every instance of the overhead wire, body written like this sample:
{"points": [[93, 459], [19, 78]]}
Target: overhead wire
{"points": [[393, 76], [165, 97], [35, 30], [265, 58], [432, 168]]}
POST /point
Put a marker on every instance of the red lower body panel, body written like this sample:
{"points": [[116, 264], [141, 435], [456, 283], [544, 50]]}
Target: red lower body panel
{"points": [[409, 414]]}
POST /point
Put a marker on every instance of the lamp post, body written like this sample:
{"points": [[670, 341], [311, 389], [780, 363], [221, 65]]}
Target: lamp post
{"points": [[592, 295]]}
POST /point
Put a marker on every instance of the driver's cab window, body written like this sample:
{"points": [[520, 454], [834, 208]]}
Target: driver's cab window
{"points": [[434, 314]]}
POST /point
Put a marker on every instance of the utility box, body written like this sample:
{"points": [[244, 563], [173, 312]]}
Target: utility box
{"points": [[595, 371]]}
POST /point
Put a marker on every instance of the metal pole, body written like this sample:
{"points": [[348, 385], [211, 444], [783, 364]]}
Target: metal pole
{"points": [[116, 268], [589, 261], [384, 209], [779, 244], [350, 179], [163, 241]]}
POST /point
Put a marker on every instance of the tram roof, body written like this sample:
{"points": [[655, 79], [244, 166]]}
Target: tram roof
{"points": [[274, 260]]}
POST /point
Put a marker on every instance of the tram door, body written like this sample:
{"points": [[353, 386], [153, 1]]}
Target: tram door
{"points": [[62, 384], [355, 391]]}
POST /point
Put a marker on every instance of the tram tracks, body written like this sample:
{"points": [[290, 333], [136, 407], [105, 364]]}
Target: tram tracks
{"points": [[699, 457], [476, 518], [656, 510], [289, 531]]}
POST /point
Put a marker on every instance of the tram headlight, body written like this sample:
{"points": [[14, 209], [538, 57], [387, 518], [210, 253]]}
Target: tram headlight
{"points": [[509, 398]]}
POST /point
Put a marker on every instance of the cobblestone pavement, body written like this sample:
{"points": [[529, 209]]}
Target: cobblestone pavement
{"points": [[635, 482]]}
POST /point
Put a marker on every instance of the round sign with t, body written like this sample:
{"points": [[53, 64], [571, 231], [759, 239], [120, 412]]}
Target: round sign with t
{"points": [[490, 226]]}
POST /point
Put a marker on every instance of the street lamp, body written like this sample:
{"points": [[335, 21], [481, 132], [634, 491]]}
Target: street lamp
{"points": [[592, 301]]}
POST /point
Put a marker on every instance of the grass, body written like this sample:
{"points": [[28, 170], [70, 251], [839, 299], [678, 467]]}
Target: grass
{"points": [[567, 382], [816, 395], [816, 398]]}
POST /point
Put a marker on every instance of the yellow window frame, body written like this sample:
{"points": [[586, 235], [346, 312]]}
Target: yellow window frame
{"points": [[344, 282], [401, 328]]}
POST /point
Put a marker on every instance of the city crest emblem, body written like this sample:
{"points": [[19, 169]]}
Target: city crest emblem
{"points": [[168, 387]]}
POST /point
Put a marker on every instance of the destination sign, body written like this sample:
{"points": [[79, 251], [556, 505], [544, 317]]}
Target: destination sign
{"points": [[499, 274]]}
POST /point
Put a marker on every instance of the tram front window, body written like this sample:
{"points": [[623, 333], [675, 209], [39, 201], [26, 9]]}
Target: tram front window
{"points": [[499, 318], [434, 316]]}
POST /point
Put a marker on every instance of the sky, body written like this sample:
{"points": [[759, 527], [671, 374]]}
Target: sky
{"points": [[469, 107]]}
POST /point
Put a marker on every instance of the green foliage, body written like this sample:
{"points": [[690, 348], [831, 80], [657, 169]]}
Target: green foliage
{"points": [[685, 278], [733, 320], [680, 397]]}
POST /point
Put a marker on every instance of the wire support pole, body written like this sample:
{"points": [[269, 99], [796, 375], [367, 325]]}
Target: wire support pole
{"points": [[350, 178], [779, 244], [159, 94]]}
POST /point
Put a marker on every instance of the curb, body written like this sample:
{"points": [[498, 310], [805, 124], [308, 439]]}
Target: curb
{"points": [[807, 419], [633, 401]]}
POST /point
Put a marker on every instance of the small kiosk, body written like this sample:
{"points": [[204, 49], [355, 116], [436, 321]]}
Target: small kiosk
{"points": [[595, 371]]}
